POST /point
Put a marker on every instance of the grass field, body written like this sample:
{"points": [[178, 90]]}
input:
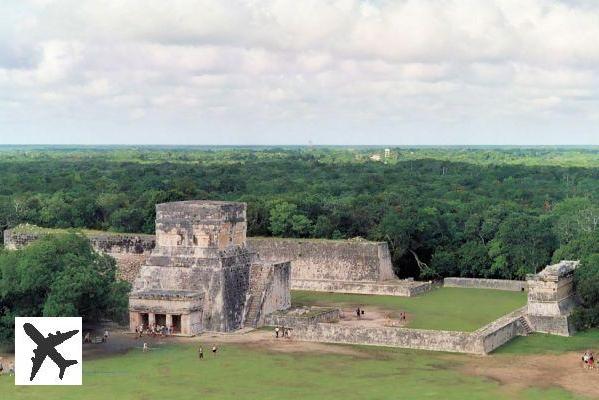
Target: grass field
{"points": [[453, 309], [539, 343], [241, 372]]}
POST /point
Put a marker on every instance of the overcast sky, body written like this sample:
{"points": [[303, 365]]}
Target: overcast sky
{"points": [[295, 72]]}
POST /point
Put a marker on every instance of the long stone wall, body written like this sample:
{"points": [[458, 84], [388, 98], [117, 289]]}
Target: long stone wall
{"points": [[130, 251], [478, 283], [403, 288], [457, 342], [315, 264], [483, 341], [333, 260], [500, 331]]}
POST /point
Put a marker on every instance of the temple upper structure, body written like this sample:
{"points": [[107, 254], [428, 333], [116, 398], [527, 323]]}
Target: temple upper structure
{"points": [[551, 298]]}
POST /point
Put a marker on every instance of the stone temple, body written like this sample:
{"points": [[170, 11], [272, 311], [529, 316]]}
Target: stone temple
{"points": [[551, 298], [202, 275]]}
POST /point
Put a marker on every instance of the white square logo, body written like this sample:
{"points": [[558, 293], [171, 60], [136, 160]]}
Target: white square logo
{"points": [[48, 351]]}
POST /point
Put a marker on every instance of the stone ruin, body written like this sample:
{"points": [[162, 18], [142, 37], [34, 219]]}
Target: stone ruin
{"points": [[343, 266], [551, 298], [201, 275]]}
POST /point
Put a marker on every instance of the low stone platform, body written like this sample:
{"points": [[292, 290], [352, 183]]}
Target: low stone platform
{"points": [[302, 315], [396, 287], [479, 283]]}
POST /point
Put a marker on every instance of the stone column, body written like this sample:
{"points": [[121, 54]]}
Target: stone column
{"points": [[151, 319], [185, 328], [134, 320]]}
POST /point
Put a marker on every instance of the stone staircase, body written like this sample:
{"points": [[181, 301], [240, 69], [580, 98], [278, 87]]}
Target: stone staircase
{"points": [[257, 291], [526, 329]]}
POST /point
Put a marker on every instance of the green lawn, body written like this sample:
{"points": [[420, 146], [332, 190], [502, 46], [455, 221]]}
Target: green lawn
{"points": [[539, 343], [452, 309], [239, 373]]}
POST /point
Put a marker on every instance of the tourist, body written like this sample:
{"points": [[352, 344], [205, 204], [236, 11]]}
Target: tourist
{"points": [[105, 339], [585, 358], [145, 347], [214, 349], [200, 352], [277, 332], [358, 312], [87, 338]]}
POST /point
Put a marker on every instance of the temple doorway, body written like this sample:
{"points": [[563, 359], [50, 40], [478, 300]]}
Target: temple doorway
{"points": [[176, 324]]}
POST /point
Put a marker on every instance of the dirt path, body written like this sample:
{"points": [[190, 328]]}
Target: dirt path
{"points": [[518, 372], [373, 317]]}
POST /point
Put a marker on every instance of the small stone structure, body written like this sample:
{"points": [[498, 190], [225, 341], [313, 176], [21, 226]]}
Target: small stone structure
{"points": [[202, 276], [551, 298], [302, 315]]}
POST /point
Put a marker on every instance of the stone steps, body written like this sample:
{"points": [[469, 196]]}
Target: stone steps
{"points": [[525, 326], [258, 278]]}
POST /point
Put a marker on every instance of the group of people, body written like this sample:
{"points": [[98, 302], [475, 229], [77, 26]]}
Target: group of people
{"points": [[153, 330], [201, 351], [283, 332], [88, 338], [11, 367], [359, 312], [588, 358]]}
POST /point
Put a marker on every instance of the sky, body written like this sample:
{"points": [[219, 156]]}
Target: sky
{"points": [[403, 72]]}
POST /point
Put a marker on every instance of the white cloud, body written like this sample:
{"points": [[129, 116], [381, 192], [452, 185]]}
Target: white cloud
{"points": [[256, 64]]}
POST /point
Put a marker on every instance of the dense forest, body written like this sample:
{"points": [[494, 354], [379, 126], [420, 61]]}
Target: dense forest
{"points": [[478, 212]]}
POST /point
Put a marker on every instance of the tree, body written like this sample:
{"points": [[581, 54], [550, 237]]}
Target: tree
{"points": [[59, 275], [586, 281], [280, 218], [521, 246]]}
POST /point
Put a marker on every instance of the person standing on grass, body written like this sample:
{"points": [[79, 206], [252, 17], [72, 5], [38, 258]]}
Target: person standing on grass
{"points": [[214, 350], [106, 335], [277, 332], [145, 347], [200, 352]]}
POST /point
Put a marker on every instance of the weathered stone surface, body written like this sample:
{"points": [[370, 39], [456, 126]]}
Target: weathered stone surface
{"points": [[333, 260], [303, 315], [269, 291], [403, 288], [344, 266], [551, 298], [500, 331], [460, 342], [200, 248], [477, 283]]}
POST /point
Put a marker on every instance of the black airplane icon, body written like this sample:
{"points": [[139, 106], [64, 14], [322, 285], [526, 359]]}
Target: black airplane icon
{"points": [[46, 348]]}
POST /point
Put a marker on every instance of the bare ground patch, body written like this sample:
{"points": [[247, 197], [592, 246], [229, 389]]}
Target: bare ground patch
{"points": [[544, 371]]}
